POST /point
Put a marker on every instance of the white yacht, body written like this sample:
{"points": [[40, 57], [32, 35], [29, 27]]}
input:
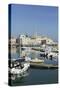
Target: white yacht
{"points": [[19, 70]]}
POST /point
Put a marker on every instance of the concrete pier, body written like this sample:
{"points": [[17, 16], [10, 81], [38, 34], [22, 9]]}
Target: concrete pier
{"points": [[43, 66]]}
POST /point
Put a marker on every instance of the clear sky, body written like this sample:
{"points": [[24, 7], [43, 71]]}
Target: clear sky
{"points": [[29, 19]]}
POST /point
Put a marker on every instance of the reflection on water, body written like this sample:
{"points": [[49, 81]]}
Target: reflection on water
{"points": [[35, 76]]}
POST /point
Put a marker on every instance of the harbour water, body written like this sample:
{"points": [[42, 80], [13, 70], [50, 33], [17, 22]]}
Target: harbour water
{"points": [[35, 76]]}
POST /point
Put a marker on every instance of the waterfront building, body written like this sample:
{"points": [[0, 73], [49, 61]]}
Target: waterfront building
{"points": [[47, 40], [25, 40]]}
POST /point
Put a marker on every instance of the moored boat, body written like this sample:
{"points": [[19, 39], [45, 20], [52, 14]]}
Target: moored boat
{"points": [[35, 60], [18, 71]]}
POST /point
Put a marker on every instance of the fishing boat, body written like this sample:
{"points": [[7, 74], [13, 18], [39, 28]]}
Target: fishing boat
{"points": [[49, 52]]}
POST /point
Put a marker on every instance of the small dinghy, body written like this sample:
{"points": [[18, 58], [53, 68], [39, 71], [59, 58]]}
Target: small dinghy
{"points": [[35, 60]]}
